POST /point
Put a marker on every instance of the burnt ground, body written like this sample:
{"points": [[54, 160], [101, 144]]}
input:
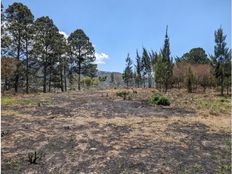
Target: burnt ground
{"points": [[98, 132]]}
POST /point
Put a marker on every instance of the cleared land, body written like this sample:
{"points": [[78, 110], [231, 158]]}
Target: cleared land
{"points": [[98, 132]]}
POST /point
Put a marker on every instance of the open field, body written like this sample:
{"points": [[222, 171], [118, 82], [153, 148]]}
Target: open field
{"points": [[99, 132]]}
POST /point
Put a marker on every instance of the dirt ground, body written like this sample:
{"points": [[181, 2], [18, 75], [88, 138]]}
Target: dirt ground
{"points": [[99, 132]]}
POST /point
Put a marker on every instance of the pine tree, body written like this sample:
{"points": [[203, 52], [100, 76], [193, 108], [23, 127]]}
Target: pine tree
{"points": [[147, 67], [138, 67], [164, 74], [82, 52], [18, 17], [189, 79], [221, 59], [128, 73], [44, 47], [60, 50]]}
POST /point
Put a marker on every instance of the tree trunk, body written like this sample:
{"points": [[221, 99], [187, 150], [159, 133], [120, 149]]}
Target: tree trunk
{"points": [[17, 67], [65, 81], [79, 76], [27, 71], [45, 79], [61, 79], [50, 78], [222, 84], [6, 84]]}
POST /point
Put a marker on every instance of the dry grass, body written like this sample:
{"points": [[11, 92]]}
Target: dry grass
{"points": [[98, 132]]}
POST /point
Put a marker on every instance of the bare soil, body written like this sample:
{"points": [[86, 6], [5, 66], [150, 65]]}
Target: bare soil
{"points": [[97, 132]]}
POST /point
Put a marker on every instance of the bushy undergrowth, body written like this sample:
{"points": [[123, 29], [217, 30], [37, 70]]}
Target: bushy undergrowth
{"points": [[123, 94], [159, 100]]}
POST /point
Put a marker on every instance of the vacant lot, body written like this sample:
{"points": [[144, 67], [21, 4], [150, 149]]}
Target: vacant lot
{"points": [[99, 132]]}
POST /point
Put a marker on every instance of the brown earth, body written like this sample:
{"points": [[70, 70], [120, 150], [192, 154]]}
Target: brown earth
{"points": [[98, 132]]}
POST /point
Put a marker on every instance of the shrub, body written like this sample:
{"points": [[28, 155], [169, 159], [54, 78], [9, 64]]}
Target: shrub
{"points": [[154, 99], [159, 100], [189, 80], [123, 94], [163, 101], [88, 81]]}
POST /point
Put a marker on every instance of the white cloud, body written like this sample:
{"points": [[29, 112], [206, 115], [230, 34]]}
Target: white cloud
{"points": [[65, 34], [100, 58]]}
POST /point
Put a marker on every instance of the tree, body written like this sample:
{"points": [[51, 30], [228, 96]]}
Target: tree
{"points": [[60, 52], [8, 69], [81, 51], [195, 56], [5, 37], [18, 17], [138, 68], [189, 80], [164, 65], [112, 78], [221, 59], [128, 73], [146, 66], [27, 47], [43, 50]]}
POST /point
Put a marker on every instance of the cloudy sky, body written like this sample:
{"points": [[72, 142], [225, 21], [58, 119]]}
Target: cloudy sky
{"points": [[119, 27]]}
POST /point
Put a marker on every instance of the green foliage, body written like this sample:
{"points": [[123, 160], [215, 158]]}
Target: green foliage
{"points": [[195, 56], [7, 100], [123, 94], [189, 80], [164, 66], [222, 69], [138, 66], [102, 79], [95, 81], [159, 100], [19, 21], [45, 46], [146, 66], [88, 81], [128, 73], [82, 52], [216, 105]]}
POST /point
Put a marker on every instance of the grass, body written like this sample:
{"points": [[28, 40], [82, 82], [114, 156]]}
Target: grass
{"points": [[216, 104], [6, 100], [11, 100]]}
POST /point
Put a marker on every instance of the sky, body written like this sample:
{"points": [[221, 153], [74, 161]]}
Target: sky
{"points": [[119, 27]]}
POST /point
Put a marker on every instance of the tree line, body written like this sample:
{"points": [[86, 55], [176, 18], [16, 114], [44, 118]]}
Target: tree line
{"points": [[34, 54], [192, 70]]}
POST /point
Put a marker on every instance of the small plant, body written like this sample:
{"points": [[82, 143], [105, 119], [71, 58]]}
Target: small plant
{"points": [[163, 101], [159, 100], [33, 157], [123, 94]]}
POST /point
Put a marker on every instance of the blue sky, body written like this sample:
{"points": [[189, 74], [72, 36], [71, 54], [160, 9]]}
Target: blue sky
{"points": [[118, 27]]}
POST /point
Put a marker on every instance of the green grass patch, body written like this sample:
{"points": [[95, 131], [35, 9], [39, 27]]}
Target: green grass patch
{"points": [[217, 104], [10, 100], [6, 100]]}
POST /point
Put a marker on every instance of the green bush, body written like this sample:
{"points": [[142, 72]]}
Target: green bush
{"points": [[163, 101], [88, 81], [159, 100], [123, 94]]}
